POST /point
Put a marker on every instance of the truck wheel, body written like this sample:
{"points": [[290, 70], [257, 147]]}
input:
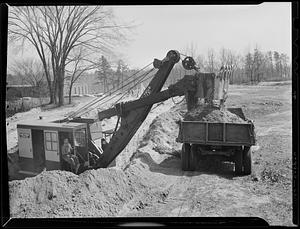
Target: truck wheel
{"points": [[238, 161], [185, 156], [247, 162], [193, 157]]}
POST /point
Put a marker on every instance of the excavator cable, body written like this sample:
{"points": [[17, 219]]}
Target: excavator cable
{"points": [[142, 79], [93, 102], [109, 98], [181, 54], [96, 100]]}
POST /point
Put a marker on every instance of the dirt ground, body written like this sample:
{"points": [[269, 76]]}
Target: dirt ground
{"points": [[148, 180]]}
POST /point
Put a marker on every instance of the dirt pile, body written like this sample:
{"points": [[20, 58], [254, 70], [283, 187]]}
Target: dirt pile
{"points": [[94, 193], [64, 194], [212, 115], [161, 135], [13, 166]]}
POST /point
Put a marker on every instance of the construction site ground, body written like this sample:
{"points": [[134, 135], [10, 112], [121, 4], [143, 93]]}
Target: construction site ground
{"points": [[148, 180]]}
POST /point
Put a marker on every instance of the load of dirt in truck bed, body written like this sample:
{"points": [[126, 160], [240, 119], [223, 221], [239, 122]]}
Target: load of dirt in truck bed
{"points": [[207, 114]]}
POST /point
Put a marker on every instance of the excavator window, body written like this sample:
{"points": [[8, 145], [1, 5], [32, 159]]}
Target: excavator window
{"points": [[80, 143], [96, 130], [80, 138]]}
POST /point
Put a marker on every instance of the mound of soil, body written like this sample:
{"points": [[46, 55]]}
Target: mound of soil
{"points": [[64, 194], [94, 193], [162, 133], [212, 115], [13, 166]]}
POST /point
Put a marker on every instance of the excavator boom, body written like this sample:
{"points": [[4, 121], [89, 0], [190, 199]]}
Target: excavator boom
{"points": [[133, 119]]}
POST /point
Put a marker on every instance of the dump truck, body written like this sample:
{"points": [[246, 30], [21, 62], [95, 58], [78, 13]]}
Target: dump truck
{"points": [[198, 138], [233, 141]]}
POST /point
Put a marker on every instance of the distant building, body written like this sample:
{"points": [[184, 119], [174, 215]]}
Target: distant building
{"points": [[78, 88]]}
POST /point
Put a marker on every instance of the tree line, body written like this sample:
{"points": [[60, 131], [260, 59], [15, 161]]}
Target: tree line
{"points": [[106, 75], [253, 67], [121, 77]]}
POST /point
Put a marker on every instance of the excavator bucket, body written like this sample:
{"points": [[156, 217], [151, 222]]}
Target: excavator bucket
{"points": [[211, 86], [222, 83], [205, 85]]}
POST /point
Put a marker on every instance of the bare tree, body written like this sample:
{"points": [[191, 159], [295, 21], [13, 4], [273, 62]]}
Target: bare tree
{"points": [[30, 72], [258, 62], [223, 56], [284, 59], [77, 65], [238, 69], [200, 60], [54, 31], [249, 66], [191, 49], [211, 60]]}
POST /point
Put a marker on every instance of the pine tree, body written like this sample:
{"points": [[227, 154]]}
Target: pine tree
{"points": [[104, 73], [121, 73]]}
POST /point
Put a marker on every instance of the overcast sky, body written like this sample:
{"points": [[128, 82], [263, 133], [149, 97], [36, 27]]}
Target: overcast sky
{"points": [[236, 27]]}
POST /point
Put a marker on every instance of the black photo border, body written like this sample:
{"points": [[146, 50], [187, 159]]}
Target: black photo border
{"points": [[191, 222]]}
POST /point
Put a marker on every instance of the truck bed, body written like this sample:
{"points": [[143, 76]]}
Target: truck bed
{"points": [[218, 133]]}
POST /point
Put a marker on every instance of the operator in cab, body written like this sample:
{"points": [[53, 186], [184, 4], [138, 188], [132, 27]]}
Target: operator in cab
{"points": [[70, 158]]}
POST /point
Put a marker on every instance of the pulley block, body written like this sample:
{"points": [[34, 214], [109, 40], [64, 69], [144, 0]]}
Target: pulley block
{"points": [[189, 63]]}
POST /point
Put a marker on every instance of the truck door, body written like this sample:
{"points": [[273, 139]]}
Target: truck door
{"points": [[51, 150]]}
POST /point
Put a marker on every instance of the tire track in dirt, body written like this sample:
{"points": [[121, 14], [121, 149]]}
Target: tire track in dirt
{"points": [[171, 205], [196, 194], [175, 204]]}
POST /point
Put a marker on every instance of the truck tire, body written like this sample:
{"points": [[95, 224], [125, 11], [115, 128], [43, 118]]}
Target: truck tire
{"points": [[193, 157], [247, 161], [185, 156], [238, 161]]}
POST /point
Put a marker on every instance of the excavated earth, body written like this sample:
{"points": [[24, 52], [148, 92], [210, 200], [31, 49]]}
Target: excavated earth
{"points": [[206, 114], [148, 180], [93, 193]]}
